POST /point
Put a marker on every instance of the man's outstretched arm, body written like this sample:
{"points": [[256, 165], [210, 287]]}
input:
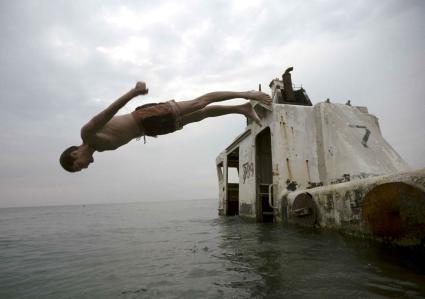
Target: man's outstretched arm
{"points": [[103, 117]]}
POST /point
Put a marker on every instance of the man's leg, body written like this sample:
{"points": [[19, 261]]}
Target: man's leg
{"points": [[187, 107], [216, 110]]}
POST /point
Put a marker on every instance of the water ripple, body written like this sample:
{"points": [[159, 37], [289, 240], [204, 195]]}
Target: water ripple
{"points": [[173, 250]]}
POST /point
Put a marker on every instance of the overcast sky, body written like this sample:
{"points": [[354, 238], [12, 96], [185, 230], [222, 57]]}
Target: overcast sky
{"points": [[63, 61]]}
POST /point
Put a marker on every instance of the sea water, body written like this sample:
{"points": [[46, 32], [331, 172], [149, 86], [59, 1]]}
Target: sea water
{"points": [[182, 249]]}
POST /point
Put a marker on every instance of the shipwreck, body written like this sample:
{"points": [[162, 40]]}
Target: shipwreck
{"points": [[323, 166]]}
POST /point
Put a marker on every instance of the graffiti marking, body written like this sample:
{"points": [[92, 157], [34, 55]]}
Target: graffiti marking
{"points": [[366, 135], [248, 170]]}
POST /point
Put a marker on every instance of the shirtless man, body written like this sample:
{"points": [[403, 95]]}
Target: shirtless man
{"points": [[106, 131]]}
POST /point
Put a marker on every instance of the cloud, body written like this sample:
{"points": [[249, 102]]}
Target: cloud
{"points": [[136, 51]]}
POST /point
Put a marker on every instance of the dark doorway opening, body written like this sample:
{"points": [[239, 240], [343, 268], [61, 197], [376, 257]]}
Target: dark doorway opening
{"points": [[233, 183], [264, 176]]}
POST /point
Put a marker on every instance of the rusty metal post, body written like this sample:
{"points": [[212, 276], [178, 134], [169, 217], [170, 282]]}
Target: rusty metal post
{"points": [[287, 84]]}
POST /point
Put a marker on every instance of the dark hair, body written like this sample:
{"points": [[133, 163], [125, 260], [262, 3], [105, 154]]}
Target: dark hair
{"points": [[66, 160]]}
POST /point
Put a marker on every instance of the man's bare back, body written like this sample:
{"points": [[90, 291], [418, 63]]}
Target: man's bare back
{"points": [[106, 131]]}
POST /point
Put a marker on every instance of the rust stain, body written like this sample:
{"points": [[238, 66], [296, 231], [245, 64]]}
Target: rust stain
{"points": [[275, 172], [395, 210], [289, 169], [308, 171]]}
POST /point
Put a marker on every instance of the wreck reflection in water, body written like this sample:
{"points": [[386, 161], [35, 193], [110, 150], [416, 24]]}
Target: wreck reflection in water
{"points": [[271, 261]]}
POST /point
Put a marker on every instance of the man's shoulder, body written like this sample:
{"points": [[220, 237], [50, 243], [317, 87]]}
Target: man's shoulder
{"points": [[87, 131]]}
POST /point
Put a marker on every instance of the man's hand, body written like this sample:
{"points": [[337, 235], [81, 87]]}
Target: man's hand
{"points": [[141, 88], [259, 96]]}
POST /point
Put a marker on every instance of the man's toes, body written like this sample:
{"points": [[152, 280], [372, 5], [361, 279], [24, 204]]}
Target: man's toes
{"points": [[255, 117]]}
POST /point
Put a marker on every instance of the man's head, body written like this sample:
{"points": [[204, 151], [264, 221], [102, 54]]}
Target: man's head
{"points": [[75, 158]]}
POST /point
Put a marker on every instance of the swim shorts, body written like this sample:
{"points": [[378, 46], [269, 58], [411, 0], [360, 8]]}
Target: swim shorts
{"points": [[158, 119]]}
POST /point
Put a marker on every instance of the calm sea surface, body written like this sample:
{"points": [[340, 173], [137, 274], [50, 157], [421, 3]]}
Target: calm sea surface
{"points": [[184, 250]]}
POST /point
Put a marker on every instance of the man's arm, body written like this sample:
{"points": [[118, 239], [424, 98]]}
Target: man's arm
{"points": [[103, 117]]}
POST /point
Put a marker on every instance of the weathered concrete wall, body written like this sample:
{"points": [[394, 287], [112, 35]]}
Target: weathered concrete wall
{"points": [[221, 165], [388, 207], [366, 189], [247, 177], [294, 149], [311, 145], [349, 141]]}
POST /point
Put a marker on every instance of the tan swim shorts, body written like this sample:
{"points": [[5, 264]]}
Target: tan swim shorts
{"points": [[158, 119]]}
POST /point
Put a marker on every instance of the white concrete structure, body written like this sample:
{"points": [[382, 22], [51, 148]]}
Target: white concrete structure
{"points": [[298, 148]]}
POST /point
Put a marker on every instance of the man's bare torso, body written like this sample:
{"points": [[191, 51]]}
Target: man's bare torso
{"points": [[118, 131]]}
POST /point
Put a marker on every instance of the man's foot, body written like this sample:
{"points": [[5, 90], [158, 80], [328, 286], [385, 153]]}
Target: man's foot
{"points": [[260, 96], [249, 112]]}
